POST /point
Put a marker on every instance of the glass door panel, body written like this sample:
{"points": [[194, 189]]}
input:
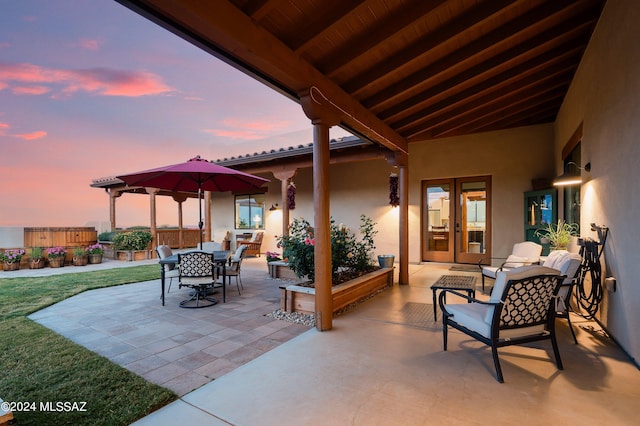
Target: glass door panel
{"points": [[437, 241], [472, 224], [456, 219]]}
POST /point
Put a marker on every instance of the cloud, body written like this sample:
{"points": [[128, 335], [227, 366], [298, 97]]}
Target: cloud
{"points": [[32, 136], [3, 128], [236, 128], [100, 81], [88, 44], [30, 90]]}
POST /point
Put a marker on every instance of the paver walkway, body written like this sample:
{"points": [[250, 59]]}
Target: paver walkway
{"points": [[180, 349]]}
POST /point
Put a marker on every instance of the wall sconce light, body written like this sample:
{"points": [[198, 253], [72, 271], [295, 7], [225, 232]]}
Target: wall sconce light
{"points": [[273, 207], [568, 178]]}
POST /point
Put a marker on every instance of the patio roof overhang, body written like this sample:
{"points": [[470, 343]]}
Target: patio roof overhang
{"points": [[399, 72], [393, 72]]}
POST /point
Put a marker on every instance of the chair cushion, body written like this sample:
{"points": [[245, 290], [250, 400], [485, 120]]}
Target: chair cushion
{"points": [[164, 251], [514, 261], [529, 250], [490, 271], [515, 274], [210, 246], [565, 262], [477, 317]]}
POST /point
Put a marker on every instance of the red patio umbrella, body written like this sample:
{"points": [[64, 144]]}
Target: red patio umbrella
{"points": [[195, 175]]}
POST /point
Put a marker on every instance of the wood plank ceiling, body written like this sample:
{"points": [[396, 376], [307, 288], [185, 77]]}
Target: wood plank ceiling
{"points": [[400, 70]]}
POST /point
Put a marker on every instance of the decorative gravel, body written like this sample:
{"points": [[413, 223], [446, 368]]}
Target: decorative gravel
{"points": [[309, 320], [295, 317]]}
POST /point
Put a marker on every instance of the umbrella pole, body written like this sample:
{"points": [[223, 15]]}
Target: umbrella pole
{"points": [[200, 224]]}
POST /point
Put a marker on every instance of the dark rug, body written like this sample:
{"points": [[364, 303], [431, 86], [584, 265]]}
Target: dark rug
{"points": [[417, 315], [465, 268]]}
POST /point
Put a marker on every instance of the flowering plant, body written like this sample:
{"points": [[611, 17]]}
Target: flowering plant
{"points": [[349, 256], [12, 256], [95, 249], [53, 252], [272, 256]]}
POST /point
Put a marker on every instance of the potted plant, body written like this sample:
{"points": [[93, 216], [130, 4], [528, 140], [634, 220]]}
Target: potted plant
{"points": [[131, 243], [80, 257], [56, 256], [95, 253], [36, 259], [559, 235], [11, 259]]}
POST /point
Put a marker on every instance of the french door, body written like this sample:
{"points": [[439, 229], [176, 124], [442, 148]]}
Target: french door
{"points": [[456, 219]]}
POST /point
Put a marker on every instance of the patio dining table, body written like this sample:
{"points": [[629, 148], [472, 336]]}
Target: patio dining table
{"points": [[219, 257]]}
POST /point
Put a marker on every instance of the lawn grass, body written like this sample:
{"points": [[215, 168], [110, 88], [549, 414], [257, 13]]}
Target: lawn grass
{"points": [[39, 366]]}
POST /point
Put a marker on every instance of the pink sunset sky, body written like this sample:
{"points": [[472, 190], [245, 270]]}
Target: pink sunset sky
{"points": [[90, 89]]}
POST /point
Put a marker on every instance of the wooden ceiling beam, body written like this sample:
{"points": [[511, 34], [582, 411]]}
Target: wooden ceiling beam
{"points": [[408, 85], [228, 33], [413, 52], [391, 26], [512, 101], [332, 14], [542, 101], [543, 113], [258, 9], [526, 74]]}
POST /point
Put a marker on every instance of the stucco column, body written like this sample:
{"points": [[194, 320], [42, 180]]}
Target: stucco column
{"points": [[285, 176], [152, 214]]}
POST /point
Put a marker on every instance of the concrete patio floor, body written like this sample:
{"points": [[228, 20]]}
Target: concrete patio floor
{"points": [[381, 364]]}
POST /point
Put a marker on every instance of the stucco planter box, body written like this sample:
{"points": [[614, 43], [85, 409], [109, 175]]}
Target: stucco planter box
{"points": [[296, 298]]}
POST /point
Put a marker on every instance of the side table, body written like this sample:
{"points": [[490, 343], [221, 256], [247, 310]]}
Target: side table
{"points": [[453, 282]]}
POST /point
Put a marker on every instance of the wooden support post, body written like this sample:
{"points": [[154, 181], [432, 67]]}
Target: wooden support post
{"points": [[113, 194], [180, 198], [403, 181], [322, 224], [152, 214], [207, 216], [323, 115]]}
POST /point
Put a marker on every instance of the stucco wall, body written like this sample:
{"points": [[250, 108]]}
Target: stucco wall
{"points": [[511, 157], [605, 96]]}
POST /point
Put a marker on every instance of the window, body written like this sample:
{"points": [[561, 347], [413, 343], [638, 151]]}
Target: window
{"points": [[250, 211]]}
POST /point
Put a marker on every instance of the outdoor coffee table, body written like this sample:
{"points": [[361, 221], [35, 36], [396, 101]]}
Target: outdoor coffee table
{"points": [[453, 282]]}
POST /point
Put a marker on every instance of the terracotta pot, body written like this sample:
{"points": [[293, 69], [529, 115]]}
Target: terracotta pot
{"points": [[10, 266], [95, 258]]}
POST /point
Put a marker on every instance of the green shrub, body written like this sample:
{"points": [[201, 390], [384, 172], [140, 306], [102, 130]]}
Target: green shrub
{"points": [[107, 236], [349, 256], [136, 240]]}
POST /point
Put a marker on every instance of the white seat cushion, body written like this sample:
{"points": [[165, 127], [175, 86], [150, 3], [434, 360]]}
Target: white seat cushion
{"points": [[210, 246], [474, 317]]}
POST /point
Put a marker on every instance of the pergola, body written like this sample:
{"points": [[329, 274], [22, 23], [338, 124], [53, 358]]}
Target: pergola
{"points": [[393, 72], [115, 187]]}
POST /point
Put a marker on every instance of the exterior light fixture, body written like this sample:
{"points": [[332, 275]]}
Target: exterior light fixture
{"points": [[568, 178], [273, 207]]}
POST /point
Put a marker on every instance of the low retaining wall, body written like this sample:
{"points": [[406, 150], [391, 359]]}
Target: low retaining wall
{"points": [[295, 298]]}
